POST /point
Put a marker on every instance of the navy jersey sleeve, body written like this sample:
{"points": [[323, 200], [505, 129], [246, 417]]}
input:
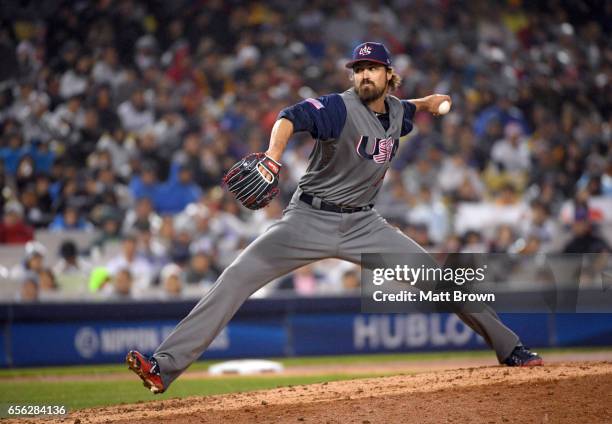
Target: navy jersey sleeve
{"points": [[323, 117], [409, 110]]}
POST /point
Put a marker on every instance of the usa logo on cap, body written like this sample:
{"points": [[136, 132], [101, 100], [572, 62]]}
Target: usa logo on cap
{"points": [[365, 50]]}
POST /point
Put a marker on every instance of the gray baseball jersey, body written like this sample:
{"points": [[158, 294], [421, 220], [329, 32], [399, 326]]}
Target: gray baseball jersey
{"points": [[348, 170], [351, 156]]}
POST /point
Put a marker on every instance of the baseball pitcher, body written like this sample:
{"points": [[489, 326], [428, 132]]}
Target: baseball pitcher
{"points": [[331, 213]]}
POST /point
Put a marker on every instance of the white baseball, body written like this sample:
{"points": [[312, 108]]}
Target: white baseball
{"points": [[444, 107]]}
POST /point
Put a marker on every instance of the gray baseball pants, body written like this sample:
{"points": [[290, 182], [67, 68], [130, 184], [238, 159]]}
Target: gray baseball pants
{"points": [[303, 235]]}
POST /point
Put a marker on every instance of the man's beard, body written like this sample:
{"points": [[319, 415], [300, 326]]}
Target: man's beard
{"points": [[369, 92]]}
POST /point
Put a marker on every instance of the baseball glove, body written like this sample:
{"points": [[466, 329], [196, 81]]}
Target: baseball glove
{"points": [[252, 187]]}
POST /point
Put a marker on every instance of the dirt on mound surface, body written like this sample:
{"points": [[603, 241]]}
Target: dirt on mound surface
{"points": [[559, 393]]}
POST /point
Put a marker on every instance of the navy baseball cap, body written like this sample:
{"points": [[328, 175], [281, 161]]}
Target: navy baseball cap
{"points": [[372, 52]]}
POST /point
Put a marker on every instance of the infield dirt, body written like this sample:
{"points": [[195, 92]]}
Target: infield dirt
{"points": [[566, 392]]}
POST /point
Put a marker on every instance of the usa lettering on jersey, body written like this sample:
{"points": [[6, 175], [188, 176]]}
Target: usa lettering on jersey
{"points": [[384, 149]]}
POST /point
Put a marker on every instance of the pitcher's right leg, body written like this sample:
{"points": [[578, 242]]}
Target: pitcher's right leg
{"points": [[301, 237]]}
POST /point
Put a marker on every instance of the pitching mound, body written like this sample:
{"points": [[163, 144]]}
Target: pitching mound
{"points": [[558, 393]]}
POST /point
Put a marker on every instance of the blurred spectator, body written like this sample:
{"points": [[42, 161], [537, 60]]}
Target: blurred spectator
{"points": [[149, 152], [502, 240], [511, 153], [13, 229], [180, 247], [121, 287], [134, 113], [204, 240], [460, 181], [35, 212], [33, 261], [74, 81], [83, 143], [188, 156], [66, 119], [303, 281], [70, 220], [145, 184], [425, 138], [432, 213], [473, 242], [529, 246], [200, 270], [419, 232], [29, 291], [539, 223], [107, 69], [424, 173], [452, 244], [48, 288], [71, 270], [585, 240], [25, 172], [110, 220], [139, 268], [166, 232], [507, 195], [171, 283], [142, 215], [174, 195], [11, 151], [394, 199], [262, 219], [44, 201], [43, 156], [115, 144], [149, 247], [503, 111]]}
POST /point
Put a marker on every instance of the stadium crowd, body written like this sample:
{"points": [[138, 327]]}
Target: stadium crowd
{"points": [[120, 117]]}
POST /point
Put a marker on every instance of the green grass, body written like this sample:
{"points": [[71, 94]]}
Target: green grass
{"points": [[81, 393], [420, 356], [287, 362], [84, 394]]}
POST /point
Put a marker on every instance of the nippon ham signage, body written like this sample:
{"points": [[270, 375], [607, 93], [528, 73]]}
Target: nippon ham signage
{"points": [[90, 342], [100, 342]]}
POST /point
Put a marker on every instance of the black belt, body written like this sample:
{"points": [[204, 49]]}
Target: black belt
{"points": [[330, 207]]}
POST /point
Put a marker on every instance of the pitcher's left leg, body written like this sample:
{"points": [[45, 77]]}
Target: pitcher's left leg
{"points": [[373, 234]]}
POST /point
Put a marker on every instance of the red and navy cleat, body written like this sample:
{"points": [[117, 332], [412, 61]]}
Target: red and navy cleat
{"points": [[521, 356], [147, 369]]}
